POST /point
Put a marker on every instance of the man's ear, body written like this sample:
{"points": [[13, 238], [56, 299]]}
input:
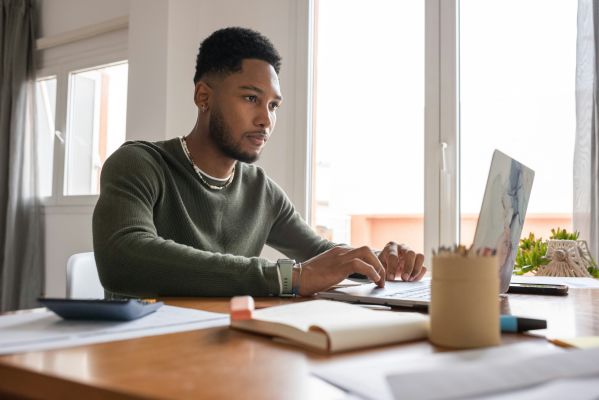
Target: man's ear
{"points": [[202, 94]]}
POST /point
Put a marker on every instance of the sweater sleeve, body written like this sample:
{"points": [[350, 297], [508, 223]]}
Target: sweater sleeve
{"points": [[290, 234], [133, 259]]}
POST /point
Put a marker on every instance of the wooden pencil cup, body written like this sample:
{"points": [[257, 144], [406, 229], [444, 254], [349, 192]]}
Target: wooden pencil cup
{"points": [[464, 308]]}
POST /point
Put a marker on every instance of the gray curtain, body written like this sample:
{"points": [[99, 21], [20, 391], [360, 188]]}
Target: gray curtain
{"points": [[21, 230], [586, 153]]}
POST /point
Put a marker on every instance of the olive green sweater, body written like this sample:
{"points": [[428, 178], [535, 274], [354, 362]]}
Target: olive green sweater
{"points": [[159, 231]]}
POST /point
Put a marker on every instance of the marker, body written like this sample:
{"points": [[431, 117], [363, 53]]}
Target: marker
{"points": [[510, 323]]}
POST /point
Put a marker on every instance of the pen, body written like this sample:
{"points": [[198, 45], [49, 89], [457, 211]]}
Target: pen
{"points": [[375, 307], [510, 323]]}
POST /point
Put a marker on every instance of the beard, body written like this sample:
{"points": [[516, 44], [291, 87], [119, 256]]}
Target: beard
{"points": [[221, 135]]}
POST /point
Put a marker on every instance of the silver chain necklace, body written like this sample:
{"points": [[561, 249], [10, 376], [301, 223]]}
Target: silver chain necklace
{"points": [[199, 171]]}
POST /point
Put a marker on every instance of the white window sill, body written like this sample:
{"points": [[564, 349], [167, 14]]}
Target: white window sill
{"points": [[69, 204]]}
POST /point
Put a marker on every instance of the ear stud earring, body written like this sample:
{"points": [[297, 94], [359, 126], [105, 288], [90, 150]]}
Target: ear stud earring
{"points": [[203, 108]]}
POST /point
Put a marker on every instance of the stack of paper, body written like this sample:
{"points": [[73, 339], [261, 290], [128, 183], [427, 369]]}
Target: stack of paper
{"points": [[45, 330], [506, 378], [523, 370]]}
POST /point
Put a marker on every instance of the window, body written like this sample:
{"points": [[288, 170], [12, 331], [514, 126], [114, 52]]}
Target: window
{"points": [[81, 117], [96, 124], [517, 94], [81, 105], [368, 122], [492, 74]]}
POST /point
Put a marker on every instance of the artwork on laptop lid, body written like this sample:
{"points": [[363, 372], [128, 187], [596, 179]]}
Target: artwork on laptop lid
{"points": [[503, 211]]}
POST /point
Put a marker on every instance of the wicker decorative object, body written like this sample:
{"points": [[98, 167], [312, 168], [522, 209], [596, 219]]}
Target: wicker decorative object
{"points": [[567, 259], [585, 254]]}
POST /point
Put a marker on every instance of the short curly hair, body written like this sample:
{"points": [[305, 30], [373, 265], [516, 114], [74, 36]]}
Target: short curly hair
{"points": [[225, 49]]}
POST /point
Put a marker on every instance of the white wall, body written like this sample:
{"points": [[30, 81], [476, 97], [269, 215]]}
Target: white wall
{"points": [[161, 69], [148, 53], [163, 39], [60, 16]]}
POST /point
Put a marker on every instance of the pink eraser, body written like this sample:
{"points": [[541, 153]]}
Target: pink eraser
{"points": [[241, 308]]}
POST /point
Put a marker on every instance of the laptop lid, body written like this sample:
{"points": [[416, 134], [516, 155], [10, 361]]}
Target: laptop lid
{"points": [[499, 227], [503, 211]]}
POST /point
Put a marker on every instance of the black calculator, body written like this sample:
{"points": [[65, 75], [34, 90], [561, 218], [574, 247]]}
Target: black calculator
{"points": [[100, 309]]}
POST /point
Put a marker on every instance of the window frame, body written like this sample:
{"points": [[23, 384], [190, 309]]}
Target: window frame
{"points": [[441, 122], [442, 168], [61, 61]]}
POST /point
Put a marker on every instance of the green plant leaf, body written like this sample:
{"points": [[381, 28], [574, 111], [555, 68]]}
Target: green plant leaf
{"points": [[563, 234]]}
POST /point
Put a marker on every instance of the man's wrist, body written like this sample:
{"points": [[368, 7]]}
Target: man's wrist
{"points": [[296, 279]]}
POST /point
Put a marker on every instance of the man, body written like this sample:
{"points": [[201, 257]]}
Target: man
{"points": [[190, 216]]}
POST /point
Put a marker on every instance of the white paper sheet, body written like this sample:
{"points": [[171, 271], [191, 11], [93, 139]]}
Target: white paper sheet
{"points": [[365, 376], [560, 280], [44, 330], [486, 377], [571, 389]]}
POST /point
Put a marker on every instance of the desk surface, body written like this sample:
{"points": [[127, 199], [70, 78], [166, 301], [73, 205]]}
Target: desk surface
{"points": [[224, 363]]}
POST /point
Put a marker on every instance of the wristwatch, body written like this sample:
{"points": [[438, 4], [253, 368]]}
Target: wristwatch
{"points": [[285, 266]]}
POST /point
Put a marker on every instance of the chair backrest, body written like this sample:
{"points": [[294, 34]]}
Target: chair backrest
{"points": [[83, 281]]}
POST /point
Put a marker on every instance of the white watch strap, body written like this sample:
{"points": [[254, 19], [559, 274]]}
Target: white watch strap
{"points": [[286, 272]]}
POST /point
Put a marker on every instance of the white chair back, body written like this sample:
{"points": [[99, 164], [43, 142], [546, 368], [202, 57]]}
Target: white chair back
{"points": [[83, 281]]}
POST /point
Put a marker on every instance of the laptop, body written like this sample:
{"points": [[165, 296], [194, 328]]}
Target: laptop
{"points": [[499, 227]]}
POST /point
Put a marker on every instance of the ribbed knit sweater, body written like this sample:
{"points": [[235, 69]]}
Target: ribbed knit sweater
{"points": [[159, 231]]}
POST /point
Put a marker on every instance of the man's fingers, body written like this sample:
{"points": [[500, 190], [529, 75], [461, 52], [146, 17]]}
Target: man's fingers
{"points": [[401, 252], [391, 260], [365, 254], [419, 260], [420, 275], [409, 258], [392, 266], [361, 267]]}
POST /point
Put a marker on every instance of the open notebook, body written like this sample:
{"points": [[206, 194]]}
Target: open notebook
{"points": [[328, 326], [499, 227]]}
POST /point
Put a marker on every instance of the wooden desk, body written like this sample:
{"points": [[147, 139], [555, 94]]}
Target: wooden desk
{"points": [[222, 363]]}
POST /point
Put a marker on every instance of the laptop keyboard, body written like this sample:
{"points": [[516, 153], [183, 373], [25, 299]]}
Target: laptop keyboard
{"points": [[422, 292], [395, 293]]}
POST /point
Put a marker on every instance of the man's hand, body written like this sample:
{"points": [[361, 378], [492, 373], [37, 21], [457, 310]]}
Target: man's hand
{"points": [[399, 261], [331, 267]]}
